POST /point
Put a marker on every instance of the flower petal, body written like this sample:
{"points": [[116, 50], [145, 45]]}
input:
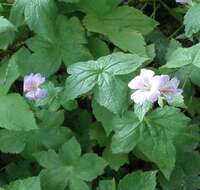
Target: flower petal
{"points": [[39, 79], [140, 96], [146, 73], [30, 95], [40, 93], [136, 83]]}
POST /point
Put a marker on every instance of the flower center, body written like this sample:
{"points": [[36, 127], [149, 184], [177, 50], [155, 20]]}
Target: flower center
{"points": [[34, 87]]}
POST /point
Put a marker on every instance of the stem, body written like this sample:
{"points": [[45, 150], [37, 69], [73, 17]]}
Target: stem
{"points": [[175, 32], [143, 7], [154, 9], [6, 4]]}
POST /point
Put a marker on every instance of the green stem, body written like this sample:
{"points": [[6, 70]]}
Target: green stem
{"points": [[6, 4], [154, 9], [175, 32]]}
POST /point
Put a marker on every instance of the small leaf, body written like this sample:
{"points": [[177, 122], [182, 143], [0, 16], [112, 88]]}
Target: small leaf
{"points": [[115, 161], [8, 74], [192, 20], [7, 33], [90, 167], [32, 183], [107, 185], [66, 154], [138, 181], [15, 114]]}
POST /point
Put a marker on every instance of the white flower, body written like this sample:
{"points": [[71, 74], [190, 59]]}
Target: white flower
{"points": [[146, 86]]}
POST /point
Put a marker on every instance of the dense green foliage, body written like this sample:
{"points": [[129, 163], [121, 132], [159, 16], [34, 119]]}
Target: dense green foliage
{"points": [[86, 133]]}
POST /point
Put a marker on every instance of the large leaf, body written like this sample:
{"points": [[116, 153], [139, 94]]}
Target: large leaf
{"points": [[192, 20], [7, 33], [107, 185], [101, 74], [15, 113], [69, 168], [123, 26], [8, 74], [33, 141], [138, 181], [32, 183], [154, 136], [115, 161], [184, 56], [104, 116], [98, 7], [39, 15], [186, 174], [12, 141], [67, 46]]}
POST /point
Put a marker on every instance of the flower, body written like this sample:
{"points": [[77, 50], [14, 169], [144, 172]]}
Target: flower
{"points": [[184, 1], [169, 88], [146, 86], [32, 88]]}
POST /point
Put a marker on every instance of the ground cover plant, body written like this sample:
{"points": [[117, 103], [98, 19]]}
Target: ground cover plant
{"points": [[99, 94]]}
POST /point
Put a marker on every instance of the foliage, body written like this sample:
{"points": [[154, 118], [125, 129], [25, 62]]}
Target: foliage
{"points": [[86, 133]]}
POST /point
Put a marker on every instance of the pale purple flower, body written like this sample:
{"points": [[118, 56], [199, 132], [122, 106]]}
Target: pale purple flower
{"points": [[32, 88], [146, 86], [184, 1], [169, 87]]}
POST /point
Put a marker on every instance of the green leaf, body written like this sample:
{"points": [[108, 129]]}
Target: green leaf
{"points": [[7, 33], [19, 169], [54, 179], [90, 167], [12, 142], [39, 15], [108, 93], [98, 7], [127, 133], [101, 75], [68, 167], [184, 56], [48, 159], [70, 1], [98, 47], [121, 25], [8, 74], [79, 121], [77, 184], [178, 101], [138, 181], [34, 140], [104, 116], [115, 161], [107, 185], [50, 118], [46, 138], [192, 20], [141, 109], [15, 114], [185, 175], [66, 154], [154, 136], [1, 8], [32, 183], [21, 57], [97, 133], [68, 46]]}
